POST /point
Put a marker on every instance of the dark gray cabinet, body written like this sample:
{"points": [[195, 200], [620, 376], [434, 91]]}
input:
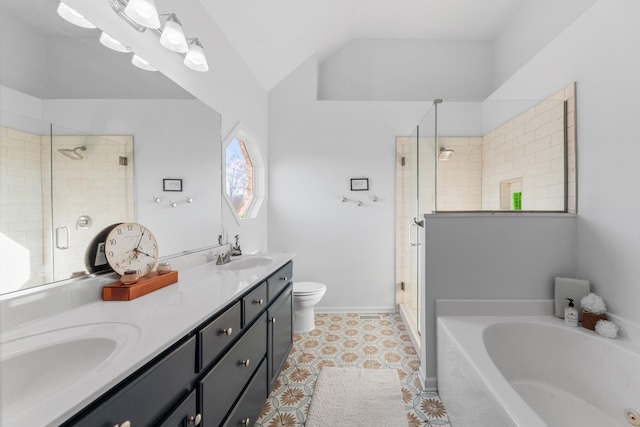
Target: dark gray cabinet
{"points": [[224, 383], [146, 397], [185, 414], [220, 374], [280, 334], [251, 402]]}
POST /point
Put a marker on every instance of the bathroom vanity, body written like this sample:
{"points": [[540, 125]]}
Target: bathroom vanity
{"points": [[186, 365]]}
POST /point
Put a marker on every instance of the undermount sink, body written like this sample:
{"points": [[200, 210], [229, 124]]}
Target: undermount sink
{"points": [[39, 366], [248, 261]]}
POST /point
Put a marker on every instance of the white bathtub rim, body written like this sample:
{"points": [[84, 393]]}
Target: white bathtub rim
{"points": [[509, 400], [627, 331], [471, 329]]}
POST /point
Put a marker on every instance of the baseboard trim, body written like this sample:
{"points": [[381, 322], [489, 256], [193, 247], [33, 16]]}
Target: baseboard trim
{"points": [[390, 309]]}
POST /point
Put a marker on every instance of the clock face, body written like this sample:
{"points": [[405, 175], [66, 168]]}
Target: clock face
{"points": [[131, 246]]}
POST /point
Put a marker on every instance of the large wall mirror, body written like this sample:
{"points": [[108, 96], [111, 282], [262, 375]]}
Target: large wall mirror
{"points": [[86, 140]]}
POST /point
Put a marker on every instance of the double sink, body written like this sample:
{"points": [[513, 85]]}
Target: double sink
{"points": [[38, 366]]}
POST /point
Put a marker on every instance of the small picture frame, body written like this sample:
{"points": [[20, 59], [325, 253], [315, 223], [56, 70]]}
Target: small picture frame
{"points": [[171, 184], [359, 184]]}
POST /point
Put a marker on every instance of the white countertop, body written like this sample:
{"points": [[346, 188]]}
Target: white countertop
{"points": [[143, 328]]}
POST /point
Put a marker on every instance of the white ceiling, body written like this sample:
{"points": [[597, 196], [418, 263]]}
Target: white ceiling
{"points": [[275, 36]]}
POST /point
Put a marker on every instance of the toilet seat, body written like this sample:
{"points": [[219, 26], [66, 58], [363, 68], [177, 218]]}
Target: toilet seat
{"points": [[306, 288]]}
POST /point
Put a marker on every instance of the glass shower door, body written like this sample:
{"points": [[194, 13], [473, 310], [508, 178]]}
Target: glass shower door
{"points": [[416, 196]]}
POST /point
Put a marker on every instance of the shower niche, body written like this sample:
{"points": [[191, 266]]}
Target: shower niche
{"points": [[60, 188]]}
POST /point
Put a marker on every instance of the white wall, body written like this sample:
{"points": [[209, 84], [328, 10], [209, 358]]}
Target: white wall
{"points": [[599, 52], [229, 87], [536, 24], [315, 147], [407, 70], [491, 257]]}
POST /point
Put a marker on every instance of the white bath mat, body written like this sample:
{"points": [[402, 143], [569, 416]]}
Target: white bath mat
{"points": [[357, 397]]}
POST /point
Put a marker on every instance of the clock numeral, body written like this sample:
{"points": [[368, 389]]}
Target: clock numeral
{"points": [[141, 228], [113, 241], [149, 266], [139, 272], [119, 231], [117, 265], [155, 246], [129, 227], [110, 253]]}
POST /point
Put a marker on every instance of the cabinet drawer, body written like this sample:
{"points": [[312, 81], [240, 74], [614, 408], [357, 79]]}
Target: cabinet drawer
{"points": [[148, 397], [248, 407], [217, 336], [221, 387], [277, 282], [185, 414], [254, 303]]}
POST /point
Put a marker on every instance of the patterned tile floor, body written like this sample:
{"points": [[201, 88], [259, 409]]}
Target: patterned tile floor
{"points": [[351, 340]]}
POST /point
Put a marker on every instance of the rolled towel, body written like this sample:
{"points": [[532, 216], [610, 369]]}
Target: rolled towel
{"points": [[607, 329], [565, 287]]}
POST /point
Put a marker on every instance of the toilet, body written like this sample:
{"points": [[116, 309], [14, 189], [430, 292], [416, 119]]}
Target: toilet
{"points": [[305, 297]]}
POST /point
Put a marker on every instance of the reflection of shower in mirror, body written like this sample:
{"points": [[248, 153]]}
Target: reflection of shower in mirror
{"points": [[72, 153]]}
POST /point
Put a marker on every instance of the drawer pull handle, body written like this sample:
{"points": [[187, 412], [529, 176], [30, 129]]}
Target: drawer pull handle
{"points": [[273, 320], [227, 331], [284, 279], [258, 301], [246, 422], [195, 420], [245, 362], [124, 424]]}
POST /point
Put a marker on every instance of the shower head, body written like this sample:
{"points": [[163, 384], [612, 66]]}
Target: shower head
{"points": [[445, 154], [72, 153]]}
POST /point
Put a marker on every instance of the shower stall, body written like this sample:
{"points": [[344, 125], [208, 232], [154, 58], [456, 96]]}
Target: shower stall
{"points": [[506, 156]]}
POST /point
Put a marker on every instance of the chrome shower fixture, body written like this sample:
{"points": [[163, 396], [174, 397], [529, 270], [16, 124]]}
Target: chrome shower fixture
{"points": [[445, 154], [72, 153]]}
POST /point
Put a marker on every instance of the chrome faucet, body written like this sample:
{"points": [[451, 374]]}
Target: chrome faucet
{"points": [[236, 247], [235, 250]]}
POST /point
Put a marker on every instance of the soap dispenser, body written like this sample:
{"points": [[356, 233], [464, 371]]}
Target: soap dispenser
{"points": [[570, 314]]}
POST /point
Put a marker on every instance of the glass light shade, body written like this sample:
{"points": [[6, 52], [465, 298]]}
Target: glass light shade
{"points": [[143, 12], [112, 43], [173, 37], [142, 64], [195, 58], [74, 17]]}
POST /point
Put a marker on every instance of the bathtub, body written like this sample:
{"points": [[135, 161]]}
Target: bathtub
{"points": [[534, 371]]}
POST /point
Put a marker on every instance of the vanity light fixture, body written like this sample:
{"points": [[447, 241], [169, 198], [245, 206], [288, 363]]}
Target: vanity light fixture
{"points": [[195, 58], [113, 44], [172, 35], [70, 15], [143, 12], [141, 63]]}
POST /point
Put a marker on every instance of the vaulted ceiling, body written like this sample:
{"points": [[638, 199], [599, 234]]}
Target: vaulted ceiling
{"points": [[275, 36]]}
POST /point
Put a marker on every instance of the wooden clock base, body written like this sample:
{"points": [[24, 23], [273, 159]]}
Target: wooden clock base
{"points": [[146, 284]]}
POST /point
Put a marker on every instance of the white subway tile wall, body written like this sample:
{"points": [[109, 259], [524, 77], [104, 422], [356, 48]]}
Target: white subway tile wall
{"points": [[21, 222]]}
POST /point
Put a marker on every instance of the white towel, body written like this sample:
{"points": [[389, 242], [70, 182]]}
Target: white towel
{"points": [[566, 287]]}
